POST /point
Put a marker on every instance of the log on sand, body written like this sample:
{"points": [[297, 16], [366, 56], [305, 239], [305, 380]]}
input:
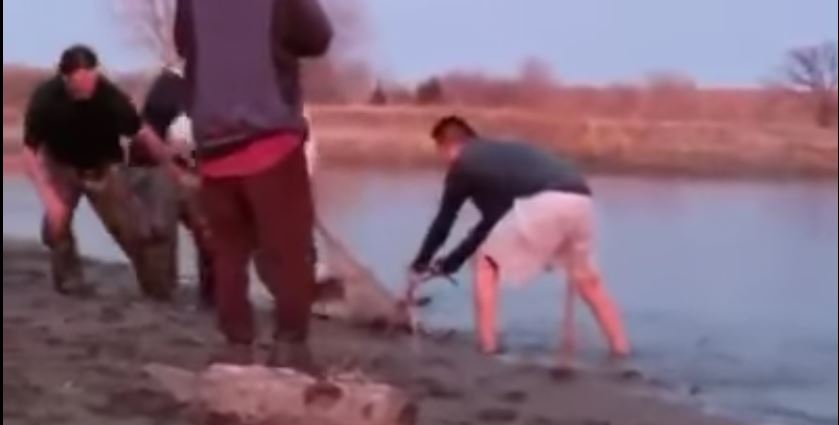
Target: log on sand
{"points": [[257, 395]]}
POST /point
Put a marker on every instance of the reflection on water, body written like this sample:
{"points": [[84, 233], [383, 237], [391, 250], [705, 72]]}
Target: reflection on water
{"points": [[729, 287]]}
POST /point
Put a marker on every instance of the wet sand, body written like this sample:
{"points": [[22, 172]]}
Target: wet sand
{"points": [[80, 362]]}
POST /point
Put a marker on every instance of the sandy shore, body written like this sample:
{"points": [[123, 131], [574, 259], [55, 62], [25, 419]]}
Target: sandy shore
{"points": [[79, 362]]}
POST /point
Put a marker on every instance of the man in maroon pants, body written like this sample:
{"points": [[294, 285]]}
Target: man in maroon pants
{"points": [[246, 106]]}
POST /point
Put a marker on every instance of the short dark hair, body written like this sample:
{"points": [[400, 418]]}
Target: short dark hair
{"points": [[452, 121], [77, 57]]}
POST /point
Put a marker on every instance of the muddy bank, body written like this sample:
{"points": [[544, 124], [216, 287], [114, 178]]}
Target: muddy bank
{"points": [[80, 362]]}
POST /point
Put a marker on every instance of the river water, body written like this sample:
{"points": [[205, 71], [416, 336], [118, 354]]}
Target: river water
{"points": [[729, 287]]}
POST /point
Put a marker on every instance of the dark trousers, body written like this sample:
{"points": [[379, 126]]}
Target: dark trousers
{"points": [[272, 213], [123, 216], [166, 206], [196, 222]]}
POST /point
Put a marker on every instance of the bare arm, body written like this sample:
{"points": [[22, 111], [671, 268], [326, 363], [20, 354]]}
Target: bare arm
{"points": [[40, 179], [454, 261], [454, 196]]}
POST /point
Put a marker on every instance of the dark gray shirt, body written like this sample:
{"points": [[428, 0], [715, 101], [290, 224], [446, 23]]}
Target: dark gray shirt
{"points": [[242, 66], [493, 174]]}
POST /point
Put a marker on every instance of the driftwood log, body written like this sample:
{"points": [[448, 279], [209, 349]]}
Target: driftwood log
{"points": [[235, 395]]}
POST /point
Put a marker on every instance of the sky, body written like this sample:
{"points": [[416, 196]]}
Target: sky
{"points": [[717, 42]]}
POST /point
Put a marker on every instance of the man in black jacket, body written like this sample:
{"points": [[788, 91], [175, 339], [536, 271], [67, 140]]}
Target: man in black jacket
{"points": [[73, 129]]}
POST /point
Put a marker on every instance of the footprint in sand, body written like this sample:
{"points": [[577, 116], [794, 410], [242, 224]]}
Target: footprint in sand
{"points": [[136, 402], [497, 415], [541, 421], [434, 388], [183, 341], [16, 321], [24, 277], [110, 315], [564, 374], [53, 341], [438, 361], [513, 397], [39, 303]]}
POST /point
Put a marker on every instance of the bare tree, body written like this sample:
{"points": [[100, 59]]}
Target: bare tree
{"points": [[813, 70], [430, 92], [150, 24], [343, 75]]}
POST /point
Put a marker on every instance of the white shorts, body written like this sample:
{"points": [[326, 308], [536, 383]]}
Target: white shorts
{"points": [[542, 232]]}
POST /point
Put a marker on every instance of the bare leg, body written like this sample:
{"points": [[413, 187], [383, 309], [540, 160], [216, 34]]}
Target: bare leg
{"points": [[568, 346], [486, 304], [594, 293]]}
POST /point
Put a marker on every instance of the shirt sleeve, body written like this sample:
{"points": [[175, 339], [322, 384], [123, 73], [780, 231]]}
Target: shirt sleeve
{"points": [[455, 195], [128, 119], [455, 260], [162, 105], [184, 31], [303, 27], [34, 126]]}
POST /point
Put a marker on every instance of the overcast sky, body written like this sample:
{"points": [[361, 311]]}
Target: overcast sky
{"points": [[718, 42]]}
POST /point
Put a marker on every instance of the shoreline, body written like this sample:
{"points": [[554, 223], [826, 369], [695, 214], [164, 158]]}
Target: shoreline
{"points": [[82, 360], [13, 166]]}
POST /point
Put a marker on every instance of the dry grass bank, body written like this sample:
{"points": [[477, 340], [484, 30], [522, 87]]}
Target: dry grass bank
{"points": [[727, 135], [399, 135]]}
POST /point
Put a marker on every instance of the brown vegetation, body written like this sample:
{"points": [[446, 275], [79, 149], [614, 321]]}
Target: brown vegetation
{"points": [[149, 24], [813, 71], [399, 136], [664, 123], [660, 97]]}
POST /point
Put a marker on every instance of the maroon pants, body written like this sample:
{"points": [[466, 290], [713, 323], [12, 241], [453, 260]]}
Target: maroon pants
{"points": [[271, 212]]}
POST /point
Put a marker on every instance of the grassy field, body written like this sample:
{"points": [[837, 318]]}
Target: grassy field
{"points": [[399, 136]]}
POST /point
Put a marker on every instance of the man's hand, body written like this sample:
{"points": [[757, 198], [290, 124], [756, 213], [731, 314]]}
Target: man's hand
{"points": [[186, 179], [165, 156], [443, 267], [425, 271], [162, 153], [440, 267]]}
